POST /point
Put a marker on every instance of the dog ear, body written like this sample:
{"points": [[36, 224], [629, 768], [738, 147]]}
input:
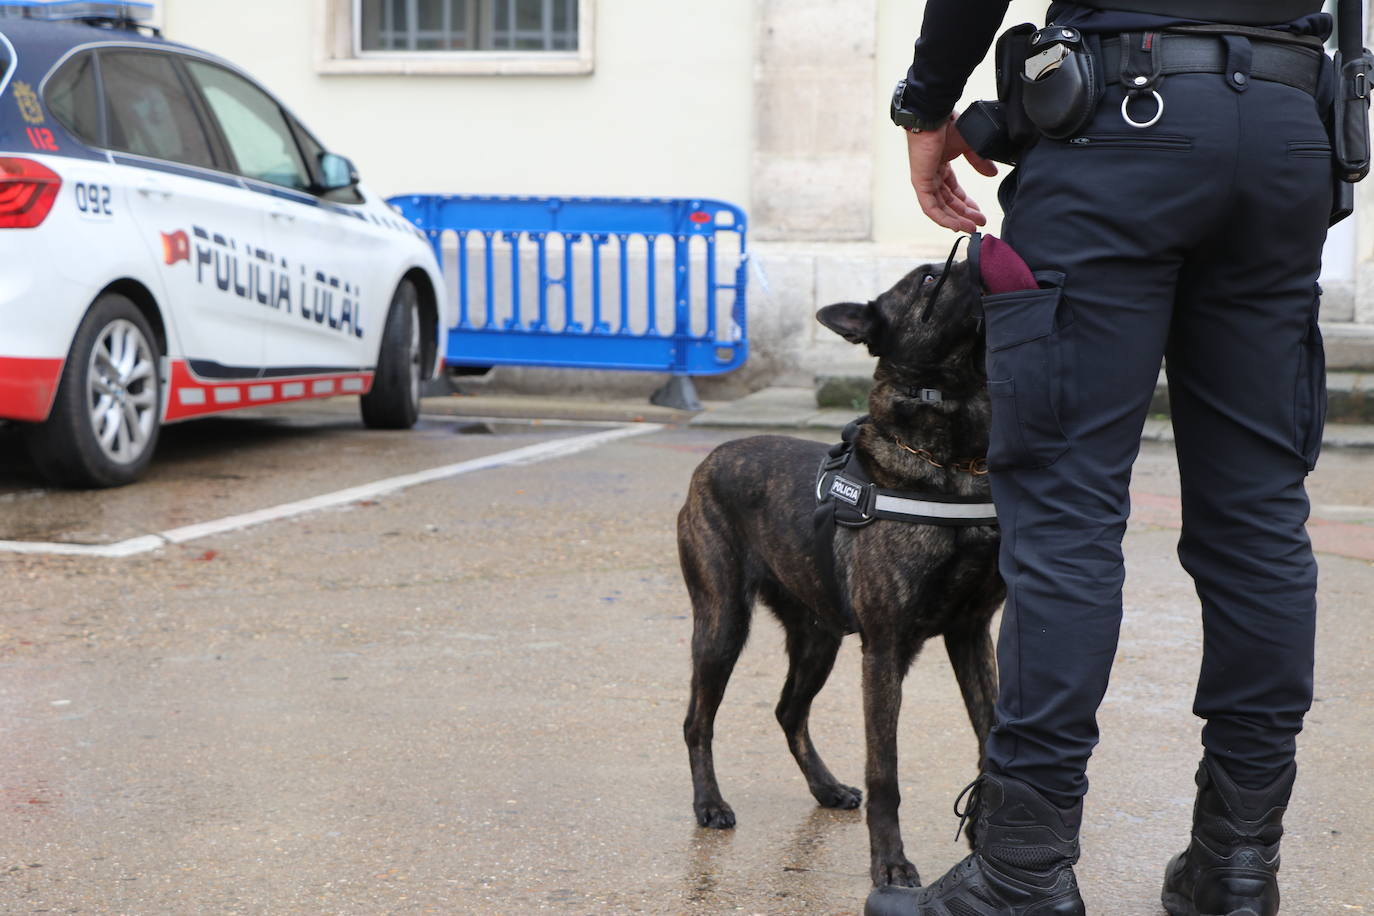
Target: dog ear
{"points": [[856, 322]]}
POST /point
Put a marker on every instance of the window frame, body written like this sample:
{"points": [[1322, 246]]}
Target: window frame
{"points": [[339, 51]]}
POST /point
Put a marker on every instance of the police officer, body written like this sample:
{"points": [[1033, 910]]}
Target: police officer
{"points": [[1183, 219]]}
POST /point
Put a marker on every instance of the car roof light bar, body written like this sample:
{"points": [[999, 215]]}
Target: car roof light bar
{"points": [[113, 10]]}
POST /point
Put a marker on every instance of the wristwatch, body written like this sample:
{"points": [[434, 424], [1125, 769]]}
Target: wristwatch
{"points": [[905, 117]]}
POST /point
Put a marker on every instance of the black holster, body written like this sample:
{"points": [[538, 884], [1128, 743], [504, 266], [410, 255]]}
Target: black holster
{"points": [[1061, 104], [1000, 130], [1350, 119]]}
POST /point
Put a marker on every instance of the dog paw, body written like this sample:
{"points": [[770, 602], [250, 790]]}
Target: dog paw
{"points": [[718, 816], [896, 874], [838, 796]]}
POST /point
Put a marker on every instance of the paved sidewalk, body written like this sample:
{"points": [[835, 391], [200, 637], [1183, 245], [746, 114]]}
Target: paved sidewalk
{"points": [[795, 408]]}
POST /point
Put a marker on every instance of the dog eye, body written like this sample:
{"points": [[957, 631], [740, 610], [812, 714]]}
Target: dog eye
{"points": [[927, 279]]}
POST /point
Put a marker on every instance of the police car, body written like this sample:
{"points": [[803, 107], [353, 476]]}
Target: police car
{"points": [[175, 243]]}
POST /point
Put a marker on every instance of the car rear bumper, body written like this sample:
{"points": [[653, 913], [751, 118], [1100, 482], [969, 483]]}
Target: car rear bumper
{"points": [[39, 312], [27, 387]]}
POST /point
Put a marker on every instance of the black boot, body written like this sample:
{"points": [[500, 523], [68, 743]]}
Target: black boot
{"points": [[1231, 866], [1022, 861]]}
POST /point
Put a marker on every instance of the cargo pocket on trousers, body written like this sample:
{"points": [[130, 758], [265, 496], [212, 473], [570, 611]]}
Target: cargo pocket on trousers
{"points": [[1026, 360], [1309, 403]]}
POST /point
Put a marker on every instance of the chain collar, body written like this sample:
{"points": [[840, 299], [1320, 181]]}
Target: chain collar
{"points": [[978, 467]]}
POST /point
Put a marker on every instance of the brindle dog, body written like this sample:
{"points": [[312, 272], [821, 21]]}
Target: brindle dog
{"points": [[746, 534]]}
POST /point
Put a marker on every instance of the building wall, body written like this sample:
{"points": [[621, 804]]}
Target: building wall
{"points": [[667, 109], [777, 105]]}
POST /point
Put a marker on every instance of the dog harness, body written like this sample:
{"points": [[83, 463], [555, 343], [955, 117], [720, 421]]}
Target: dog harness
{"points": [[846, 495]]}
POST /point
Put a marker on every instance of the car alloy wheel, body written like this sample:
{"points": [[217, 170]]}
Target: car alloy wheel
{"points": [[121, 392], [107, 412]]}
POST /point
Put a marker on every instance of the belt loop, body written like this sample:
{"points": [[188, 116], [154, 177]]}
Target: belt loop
{"points": [[1140, 65], [1238, 57]]}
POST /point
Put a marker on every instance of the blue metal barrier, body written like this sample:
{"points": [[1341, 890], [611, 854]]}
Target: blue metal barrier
{"points": [[609, 305]]}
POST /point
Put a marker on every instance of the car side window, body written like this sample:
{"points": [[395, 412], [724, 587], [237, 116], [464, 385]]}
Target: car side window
{"points": [[72, 98], [150, 110], [253, 125]]}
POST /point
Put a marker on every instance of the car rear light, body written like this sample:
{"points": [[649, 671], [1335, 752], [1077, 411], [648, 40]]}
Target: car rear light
{"points": [[28, 190]]}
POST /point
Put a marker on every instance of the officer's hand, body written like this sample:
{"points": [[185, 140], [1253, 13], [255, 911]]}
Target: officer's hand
{"points": [[937, 189]]}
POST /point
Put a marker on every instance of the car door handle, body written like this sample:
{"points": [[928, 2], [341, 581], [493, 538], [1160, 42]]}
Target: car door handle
{"points": [[152, 188], [281, 215]]}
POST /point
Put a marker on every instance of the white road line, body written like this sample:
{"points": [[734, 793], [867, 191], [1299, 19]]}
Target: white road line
{"points": [[475, 420], [530, 454], [1346, 511]]}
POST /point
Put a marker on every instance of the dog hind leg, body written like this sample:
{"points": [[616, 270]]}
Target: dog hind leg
{"points": [[720, 627], [811, 655], [974, 660]]}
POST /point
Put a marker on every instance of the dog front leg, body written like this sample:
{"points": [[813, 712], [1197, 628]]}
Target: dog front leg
{"points": [[882, 687]]}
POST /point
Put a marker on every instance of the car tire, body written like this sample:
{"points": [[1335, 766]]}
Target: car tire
{"points": [[394, 401], [105, 420]]}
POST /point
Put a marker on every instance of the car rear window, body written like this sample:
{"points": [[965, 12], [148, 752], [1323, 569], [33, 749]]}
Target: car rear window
{"points": [[72, 98], [5, 61], [150, 111]]}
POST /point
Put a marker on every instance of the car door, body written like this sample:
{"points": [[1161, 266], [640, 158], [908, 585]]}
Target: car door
{"points": [[202, 226], [368, 248], [315, 328]]}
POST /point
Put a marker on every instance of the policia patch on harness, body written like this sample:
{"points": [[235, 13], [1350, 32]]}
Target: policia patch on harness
{"points": [[845, 495]]}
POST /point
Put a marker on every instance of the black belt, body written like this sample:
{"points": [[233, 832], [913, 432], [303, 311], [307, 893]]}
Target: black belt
{"points": [[1290, 64], [1246, 12]]}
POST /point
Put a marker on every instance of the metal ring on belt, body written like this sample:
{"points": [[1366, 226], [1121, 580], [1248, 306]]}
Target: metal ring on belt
{"points": [[1289, 64]]}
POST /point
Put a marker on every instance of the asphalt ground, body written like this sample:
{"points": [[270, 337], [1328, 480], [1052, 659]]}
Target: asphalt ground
{"points": [[465, 696]]}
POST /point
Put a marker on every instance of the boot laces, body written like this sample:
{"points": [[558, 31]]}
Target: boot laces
{"points": [[973, 792], [951, 879]]}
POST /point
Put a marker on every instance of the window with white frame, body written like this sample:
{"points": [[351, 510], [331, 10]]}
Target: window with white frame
{"points": [[521, 26], [455, 37]]}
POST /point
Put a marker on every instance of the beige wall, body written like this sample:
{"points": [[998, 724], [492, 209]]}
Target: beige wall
{"points": [[667, 110]]}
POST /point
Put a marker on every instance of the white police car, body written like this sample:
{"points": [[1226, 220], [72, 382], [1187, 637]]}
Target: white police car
{"points": [[174, 243]]}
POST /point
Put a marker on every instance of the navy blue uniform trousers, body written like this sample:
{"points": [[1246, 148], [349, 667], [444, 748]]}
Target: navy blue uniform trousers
{"points": [[1198, 241]]}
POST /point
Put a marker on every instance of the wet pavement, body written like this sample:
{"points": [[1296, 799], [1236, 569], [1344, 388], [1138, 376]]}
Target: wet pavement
{"points": [[466, 696]]}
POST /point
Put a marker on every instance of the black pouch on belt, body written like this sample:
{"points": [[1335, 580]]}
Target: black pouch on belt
{"points": [[1349, 122], [1000, 130], [1351, 117], [1061, 82]]}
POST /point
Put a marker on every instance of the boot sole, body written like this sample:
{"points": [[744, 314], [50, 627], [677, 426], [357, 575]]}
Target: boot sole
{"points": [[1180, 906]]}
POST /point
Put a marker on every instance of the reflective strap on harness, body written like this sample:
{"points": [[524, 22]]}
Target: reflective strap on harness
{"points": [[917, 510]]}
